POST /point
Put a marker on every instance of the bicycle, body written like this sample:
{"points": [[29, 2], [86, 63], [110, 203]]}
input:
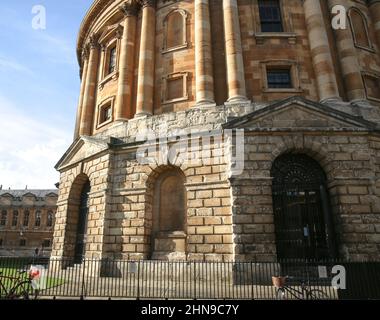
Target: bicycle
{"points": [[20, 288], [305, 293]]}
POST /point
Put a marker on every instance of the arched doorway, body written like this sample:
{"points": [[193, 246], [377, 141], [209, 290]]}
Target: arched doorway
{"points": [[169, 216], [301, 205], [81, 234]]}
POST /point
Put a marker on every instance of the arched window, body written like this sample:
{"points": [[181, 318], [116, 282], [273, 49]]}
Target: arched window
{"points": [[301, 206], [169, 216], [175, 30], [80, 245], [37, 221], [3, 218], [15, 218], [49, 222], [26, 218], [172, 204], [359, 28]]}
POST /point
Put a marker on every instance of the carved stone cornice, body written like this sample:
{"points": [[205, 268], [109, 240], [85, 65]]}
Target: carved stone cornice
{"points": [[130, 9], [148, 3], [85, 53], [93, 41]]}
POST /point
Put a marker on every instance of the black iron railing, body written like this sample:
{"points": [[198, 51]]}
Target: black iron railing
{"points": [[196, 280]]}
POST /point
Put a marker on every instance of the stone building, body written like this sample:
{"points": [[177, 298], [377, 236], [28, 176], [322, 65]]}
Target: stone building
{"points": [[276, 111], [27, 221]]}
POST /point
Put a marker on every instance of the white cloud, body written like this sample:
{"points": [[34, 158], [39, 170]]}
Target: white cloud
{"points": [[30, 146], [7, 64]]}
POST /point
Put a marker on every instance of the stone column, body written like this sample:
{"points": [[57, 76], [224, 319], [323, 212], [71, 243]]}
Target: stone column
{"points": [[145, 89], [88, 108], [234, 53], [81, 95], [203, 54], [320, 51], [374, 9], [348, 58], [126, 66]]}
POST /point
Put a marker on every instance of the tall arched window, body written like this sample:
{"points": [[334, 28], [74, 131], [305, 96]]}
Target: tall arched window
{"points": [[49, 222], [26, 218], [359, 28], [301, 206], [175, 30], [15, 218], [3, 218], [37, 220], [80, 243], [169, 215]]}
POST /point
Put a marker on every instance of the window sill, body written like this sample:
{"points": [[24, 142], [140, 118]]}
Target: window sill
{"points": [[369, 49], [112, 76], [261, 37], [287, 90], [373, 99], [103, 124], [172, 49], [175, 100]]}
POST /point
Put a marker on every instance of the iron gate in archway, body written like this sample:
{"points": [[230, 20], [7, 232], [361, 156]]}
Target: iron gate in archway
{"points": [[301, 205]]}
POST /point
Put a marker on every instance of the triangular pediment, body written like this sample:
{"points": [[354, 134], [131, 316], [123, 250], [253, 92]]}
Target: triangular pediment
{"points": [[82, 148], [300, 113]]}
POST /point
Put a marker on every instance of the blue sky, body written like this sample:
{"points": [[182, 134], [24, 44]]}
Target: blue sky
{"points": [[39, 89]]}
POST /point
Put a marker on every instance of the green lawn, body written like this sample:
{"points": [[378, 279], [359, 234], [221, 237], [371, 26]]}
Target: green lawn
{"points": [[14, 272]]}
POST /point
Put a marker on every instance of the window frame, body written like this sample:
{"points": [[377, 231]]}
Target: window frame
{"points": [[109, 102], [3, 218], [164, 91], [367, 74], [295, 73], [26, 215], [38, 217], [22, 242], [281, 21], [15, 218], [50, 221], [185, 43], [110, 38], [366, 27]]}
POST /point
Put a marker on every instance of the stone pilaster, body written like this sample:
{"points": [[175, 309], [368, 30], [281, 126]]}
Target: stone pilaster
{"points": [[348, 58], [203, 54], [320, 51], [234, 53], [81, 95], [374, 9], [145, 89], [127, 58], [88, 108]]}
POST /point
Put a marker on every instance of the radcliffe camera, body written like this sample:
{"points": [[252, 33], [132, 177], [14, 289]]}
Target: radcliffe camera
{"points": [[166, 153]]}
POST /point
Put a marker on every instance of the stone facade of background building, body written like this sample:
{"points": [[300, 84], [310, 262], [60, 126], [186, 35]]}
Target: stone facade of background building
{"points": [[197, 74], [27, 222]]}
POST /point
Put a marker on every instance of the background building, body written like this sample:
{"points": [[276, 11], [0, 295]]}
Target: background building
{"points": [[307, 97], [27, 221]]}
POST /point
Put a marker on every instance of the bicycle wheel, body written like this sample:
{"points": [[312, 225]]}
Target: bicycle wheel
{"points": [[20, 291], [280, 294], [316, 294]]}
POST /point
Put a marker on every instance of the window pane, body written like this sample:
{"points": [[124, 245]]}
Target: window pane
{"points": [[270, 16], [38, 219], [50, 219], [279, 79], [112, 60], [26, 218], [3, 220], [15, 218]]}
